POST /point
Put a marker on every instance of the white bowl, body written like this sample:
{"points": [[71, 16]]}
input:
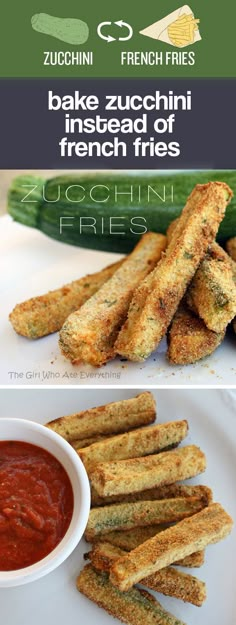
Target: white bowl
{"points": [[30, 432]]}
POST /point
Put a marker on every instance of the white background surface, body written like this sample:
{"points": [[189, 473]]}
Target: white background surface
{"points": [[212, 420], [32, 264]]}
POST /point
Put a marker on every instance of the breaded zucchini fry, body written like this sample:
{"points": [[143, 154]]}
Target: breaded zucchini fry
{"points": [[195, 560], [211, 295], [173, 583], [172, 230], [130, 539], [156, 300], [102, 555], [125, 516], [212, 292], [189, 339], [204, 528], [168, 581], [138, 474], [134, 607], [89, 334], [45, 314], [209, 284], [160, 492], [118, 416], [80, 443], [140, 442], [231, 247], [233, 265]]}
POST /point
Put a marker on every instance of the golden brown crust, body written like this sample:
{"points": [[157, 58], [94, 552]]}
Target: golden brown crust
{"points": [[231, 247], [130, 539], [133, 608], [206, 527], [168, 581], [89, 334], [138, 474], [156, 300], [115, 417], [172, 583], [42, 315], [160, 492], [102, 555], [212, 293], [139, 442], [195, 560], [140, 514], [80, 443], [189, 339], [233, 265], [171, 230]]}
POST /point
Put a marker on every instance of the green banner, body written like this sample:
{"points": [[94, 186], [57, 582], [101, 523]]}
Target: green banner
{"points": [[41, 38]]}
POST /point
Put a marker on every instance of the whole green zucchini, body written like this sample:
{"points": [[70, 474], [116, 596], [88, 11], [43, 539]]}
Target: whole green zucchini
{"points": [[110, 211]]}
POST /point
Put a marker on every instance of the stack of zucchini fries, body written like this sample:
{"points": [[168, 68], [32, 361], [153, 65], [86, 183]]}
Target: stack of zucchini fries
{"points": [[142, 519], [182, 284]]}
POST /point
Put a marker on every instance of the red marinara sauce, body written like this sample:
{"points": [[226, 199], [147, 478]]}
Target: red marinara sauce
{"points": [[36, 504]]}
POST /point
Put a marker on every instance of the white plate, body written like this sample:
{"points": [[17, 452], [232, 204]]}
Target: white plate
{"points": [[32, 264], [212, 420]]}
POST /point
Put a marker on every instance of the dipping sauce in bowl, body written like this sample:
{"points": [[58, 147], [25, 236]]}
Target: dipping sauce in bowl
{"points": [[36, 504]]}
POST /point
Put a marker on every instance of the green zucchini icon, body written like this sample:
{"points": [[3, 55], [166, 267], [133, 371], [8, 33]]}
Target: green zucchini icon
{"points": [[69, 30]]}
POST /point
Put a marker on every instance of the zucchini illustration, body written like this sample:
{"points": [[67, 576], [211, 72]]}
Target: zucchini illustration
{"points": [[69, 30]]}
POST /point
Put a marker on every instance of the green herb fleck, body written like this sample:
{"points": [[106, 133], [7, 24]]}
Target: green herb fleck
{"points": [[106, 301]]}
